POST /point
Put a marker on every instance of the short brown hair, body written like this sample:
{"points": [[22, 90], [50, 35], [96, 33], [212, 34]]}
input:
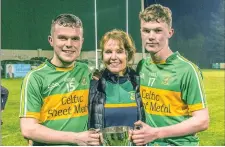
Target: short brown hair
{"points": [[158, 13], [67, 20], [124, 39]]}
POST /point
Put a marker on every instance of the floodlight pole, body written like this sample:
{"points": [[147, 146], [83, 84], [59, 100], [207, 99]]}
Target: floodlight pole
{"points": [[142, 9], [127, 25], [96, 37]]}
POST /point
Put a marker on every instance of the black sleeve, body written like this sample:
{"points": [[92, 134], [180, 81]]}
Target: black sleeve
{"points": [[92, 91], [4, 97]]}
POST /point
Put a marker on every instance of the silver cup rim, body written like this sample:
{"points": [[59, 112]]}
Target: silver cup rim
{"points": [[116, 128]]}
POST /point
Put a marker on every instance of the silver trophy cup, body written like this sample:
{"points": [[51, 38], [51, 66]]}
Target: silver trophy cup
{"points": [[116, 136]]}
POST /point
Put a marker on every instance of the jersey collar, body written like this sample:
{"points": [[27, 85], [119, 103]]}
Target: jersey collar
{"points": [[170, 58], [48, 62]]}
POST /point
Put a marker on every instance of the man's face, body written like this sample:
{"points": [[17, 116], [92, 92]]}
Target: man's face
{"points": [[155, 35], [67, 43], [114, 57]]}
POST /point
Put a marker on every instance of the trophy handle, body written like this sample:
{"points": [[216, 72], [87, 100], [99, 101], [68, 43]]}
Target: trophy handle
{"points": [[137, 127]]}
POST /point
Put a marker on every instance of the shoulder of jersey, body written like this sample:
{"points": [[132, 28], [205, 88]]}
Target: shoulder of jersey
{"points": [[82, 65]]}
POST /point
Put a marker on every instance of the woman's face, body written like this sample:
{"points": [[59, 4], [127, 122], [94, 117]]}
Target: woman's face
{"points": [[115, 57]]}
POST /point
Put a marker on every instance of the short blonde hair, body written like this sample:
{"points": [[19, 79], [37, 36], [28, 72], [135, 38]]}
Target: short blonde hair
{"points": [[158, 13], [125, 40], [66, 20]]}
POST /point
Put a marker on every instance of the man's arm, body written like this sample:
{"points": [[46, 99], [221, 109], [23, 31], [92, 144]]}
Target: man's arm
{"points": [[198, 122], [31, 129]]}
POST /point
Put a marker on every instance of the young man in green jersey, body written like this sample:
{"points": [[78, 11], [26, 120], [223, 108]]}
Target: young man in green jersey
{"points": [[171, 87], [54, 96]]}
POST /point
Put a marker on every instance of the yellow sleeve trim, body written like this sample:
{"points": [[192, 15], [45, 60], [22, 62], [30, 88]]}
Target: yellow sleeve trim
{"points": [[196, 107], [33, 115]]}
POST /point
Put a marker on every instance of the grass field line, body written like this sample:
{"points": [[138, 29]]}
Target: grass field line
{"points": [[10, 134]]}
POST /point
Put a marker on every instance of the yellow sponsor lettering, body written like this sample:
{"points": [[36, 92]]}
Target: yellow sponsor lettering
{"points": [[80, 109], [163, 102], [149, 95], [64, 106], [71, 99], [55, 112], [160, 107]]}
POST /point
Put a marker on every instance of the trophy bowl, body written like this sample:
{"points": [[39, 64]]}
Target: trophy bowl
{"points": [[116, 136]]}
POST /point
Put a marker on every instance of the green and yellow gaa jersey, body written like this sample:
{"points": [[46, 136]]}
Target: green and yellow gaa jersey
{"points": [[57, 97], [120, 105], [170, 92]]}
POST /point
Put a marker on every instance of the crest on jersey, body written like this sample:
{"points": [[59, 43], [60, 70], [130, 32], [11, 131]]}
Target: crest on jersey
{"points": [[166, 81], [142, 75], [132, 95], [84, 81]]}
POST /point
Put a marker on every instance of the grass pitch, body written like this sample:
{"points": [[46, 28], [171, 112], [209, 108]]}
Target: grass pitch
{"points": [[214, 87]]}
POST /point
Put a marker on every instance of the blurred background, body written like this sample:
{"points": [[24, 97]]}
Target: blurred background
{"points": [[25, 26]]}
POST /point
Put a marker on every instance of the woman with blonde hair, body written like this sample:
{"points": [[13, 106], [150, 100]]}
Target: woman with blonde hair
{"points": [[114, 99]]}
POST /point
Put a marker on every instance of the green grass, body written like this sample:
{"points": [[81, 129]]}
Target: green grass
{"points": [[10, 130], [214, 87]]}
